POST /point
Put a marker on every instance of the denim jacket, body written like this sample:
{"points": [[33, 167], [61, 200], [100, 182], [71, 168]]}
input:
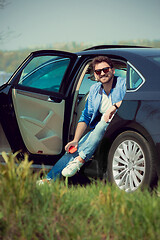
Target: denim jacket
{"points": [[90, 114]]}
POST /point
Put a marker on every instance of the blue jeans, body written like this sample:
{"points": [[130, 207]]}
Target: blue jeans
{"points": [[86, 147]]}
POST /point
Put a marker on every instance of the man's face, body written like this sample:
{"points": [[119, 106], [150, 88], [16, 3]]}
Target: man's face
{"points": [[106, 75]]}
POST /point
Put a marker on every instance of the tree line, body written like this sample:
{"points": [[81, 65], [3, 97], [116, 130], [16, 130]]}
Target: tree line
{"points": [[10, 60]]}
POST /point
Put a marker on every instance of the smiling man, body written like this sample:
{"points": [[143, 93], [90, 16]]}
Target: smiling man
{"points": [[104, 99]]}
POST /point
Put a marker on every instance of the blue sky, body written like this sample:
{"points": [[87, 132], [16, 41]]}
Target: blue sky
{"points": [[42, 22]]}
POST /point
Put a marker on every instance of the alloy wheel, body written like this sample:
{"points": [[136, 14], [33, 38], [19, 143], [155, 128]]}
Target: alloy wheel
{"points": [[128, 165]]}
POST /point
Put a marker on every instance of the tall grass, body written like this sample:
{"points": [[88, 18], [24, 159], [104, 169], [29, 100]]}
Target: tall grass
{"points": [[53, 211]]}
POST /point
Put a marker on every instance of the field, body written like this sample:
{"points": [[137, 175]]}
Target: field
{"points": [[60, 211]]}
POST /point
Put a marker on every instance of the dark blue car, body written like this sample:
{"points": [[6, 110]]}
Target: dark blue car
{"points": [[41, 103]]}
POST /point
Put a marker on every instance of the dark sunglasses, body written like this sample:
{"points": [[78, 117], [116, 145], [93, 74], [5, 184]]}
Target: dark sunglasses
{"points": [[105, 70]]}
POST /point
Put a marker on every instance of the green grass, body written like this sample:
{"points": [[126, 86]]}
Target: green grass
{"points": [[57, 211]]}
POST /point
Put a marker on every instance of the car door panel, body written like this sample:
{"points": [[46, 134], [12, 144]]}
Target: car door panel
{"points": [[40, 122], [34, 104]]}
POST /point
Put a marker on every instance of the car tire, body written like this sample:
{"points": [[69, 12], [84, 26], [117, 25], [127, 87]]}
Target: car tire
{"points": [[131, 162]]}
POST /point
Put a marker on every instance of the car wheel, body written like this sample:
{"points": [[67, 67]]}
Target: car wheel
{"points": [[131, 163]]}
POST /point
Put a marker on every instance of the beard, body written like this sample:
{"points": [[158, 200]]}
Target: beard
{"points": [[106, 78]]}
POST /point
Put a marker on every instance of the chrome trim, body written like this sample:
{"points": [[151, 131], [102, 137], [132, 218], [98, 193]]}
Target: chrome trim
{"points": [[141, 76]]}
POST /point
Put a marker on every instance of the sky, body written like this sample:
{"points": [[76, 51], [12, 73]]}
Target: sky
{"points": [[31, 23]]}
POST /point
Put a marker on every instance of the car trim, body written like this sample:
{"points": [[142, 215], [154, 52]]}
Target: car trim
{"points": [[32, 94], [143, 79], [39, 96], [101, 47]]}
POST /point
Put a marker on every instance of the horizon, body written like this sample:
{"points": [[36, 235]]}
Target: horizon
{"points": [[72, 45]]}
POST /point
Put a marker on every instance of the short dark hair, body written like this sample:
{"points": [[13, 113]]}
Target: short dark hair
{"points": [[100, 59]]}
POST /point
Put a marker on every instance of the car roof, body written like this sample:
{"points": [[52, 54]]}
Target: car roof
{"points": [[121, 49]]}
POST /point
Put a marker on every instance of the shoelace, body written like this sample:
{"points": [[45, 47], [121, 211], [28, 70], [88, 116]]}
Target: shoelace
{"points": [[74, 162]]}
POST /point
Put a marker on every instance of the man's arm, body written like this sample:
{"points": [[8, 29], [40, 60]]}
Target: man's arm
{"points": [[81, 127], [109, 113]]}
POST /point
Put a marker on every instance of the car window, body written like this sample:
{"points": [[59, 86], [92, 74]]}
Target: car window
{"points": [[89, 80], [45, 73], [120, 73], [134, 80]]}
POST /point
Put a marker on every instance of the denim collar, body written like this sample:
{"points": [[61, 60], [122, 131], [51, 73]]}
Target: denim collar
{"points": [[101, 90]]}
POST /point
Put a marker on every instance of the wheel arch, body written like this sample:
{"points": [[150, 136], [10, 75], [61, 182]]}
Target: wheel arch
{"points": [[113, 132]]}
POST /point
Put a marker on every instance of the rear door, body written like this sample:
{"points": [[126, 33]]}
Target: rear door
{"points": [[38, 96]]}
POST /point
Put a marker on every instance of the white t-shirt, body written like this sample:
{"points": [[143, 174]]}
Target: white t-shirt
{"points": [[105, 103]]}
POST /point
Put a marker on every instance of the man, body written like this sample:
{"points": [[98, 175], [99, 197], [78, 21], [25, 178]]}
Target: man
{"points": [[104, 99]]}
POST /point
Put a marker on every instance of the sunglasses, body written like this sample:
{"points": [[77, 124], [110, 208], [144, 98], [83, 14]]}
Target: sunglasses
{"points": [[105, 70]]}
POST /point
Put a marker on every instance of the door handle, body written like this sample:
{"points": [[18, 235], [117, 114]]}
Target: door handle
{"points": [[54, 99]]}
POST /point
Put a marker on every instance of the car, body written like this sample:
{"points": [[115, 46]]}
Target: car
{"points": [[41, 103]]}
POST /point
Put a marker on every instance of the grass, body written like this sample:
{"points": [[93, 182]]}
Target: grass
{"points": [[55, 211]]}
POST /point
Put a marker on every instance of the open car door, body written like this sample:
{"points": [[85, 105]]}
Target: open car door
{"points": [[38, 94]]}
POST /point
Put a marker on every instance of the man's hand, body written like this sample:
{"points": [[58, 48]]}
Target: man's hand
{"points": [[81, 127], [110, 112], [70, 144]]}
